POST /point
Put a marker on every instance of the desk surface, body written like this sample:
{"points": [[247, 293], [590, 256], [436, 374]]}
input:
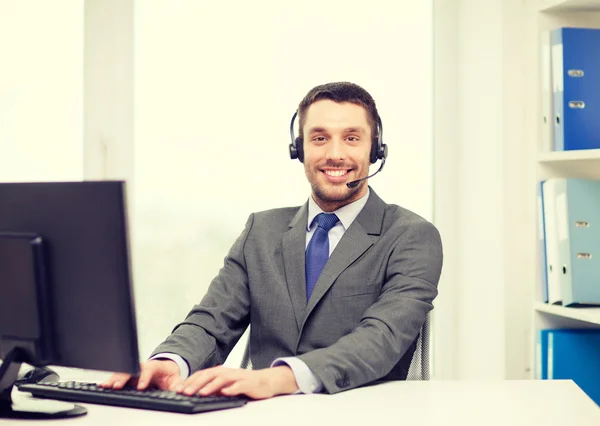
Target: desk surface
{"points": [[464, 403]]}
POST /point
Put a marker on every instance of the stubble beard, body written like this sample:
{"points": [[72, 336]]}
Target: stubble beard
{"points": [[336, 194]]}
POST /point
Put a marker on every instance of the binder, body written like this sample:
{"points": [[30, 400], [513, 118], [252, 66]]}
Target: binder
{"points": [[573, 354], [551, 240], [546, 140], [576, 92], [541, 355], [577, 203], [543, 283]]}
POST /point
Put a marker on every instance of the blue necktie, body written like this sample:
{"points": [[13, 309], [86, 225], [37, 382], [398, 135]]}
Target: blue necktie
{"points": [[317, 252]]}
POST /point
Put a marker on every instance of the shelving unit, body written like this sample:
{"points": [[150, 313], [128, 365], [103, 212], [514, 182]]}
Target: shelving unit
{"points": [[548, 15], [579, 164], [569, 317], [568, 5], [571, 157]]}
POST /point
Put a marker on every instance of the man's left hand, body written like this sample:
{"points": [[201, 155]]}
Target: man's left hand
{"points": [[257, 384]]}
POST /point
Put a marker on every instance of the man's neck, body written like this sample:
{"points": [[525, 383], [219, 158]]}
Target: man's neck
{"points": [[330, 206]]}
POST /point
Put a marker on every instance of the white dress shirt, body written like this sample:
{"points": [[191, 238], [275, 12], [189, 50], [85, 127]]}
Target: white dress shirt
{"points": [[306, 380]]}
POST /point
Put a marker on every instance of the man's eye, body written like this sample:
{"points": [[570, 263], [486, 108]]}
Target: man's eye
{"points": [[353, 138], [319, 139]]}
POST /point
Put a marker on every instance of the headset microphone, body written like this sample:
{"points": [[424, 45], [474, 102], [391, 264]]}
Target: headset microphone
{"points": [[354, 183]]}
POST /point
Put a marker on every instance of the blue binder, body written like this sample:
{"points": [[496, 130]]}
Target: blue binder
{"points": [[577, 206], [543, 284], [575, 88], [541, 355], [573, 355], [546, 142]]}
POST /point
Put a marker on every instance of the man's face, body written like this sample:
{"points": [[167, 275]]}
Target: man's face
{"points": [[337, 143]]}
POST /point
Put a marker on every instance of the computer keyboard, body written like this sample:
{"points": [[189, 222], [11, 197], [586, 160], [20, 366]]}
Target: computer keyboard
{"points": [[130, 397]]}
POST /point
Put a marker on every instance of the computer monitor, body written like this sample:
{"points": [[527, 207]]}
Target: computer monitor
{"points": [[66, 295]]}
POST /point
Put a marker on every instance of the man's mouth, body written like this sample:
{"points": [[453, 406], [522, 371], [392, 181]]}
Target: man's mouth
{"points": [[336, 173]]}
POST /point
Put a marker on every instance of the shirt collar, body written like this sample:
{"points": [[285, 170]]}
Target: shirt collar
{"points": [[345, 214]]}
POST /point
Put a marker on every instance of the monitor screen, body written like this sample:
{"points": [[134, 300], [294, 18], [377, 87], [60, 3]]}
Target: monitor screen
{"points": [[24, 302], [75, 233]]}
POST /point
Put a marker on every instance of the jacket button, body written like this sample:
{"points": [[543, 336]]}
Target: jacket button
{"points": [[341, 383]]}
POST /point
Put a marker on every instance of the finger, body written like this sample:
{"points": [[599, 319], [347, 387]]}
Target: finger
{"points": [[216, 385], [215, 380], [236, 388], [108, 382], [145, 378], [173, 383], [248, 388], [195, 382], [114, 379], [125, 380], [117, 377]]}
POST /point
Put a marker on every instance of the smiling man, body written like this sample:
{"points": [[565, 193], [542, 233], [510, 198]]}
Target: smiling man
{"points": [[336, 150], [335, 291]]}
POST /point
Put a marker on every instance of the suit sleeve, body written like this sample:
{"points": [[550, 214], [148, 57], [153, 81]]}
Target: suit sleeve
{"points": [[213, 327], [389, 326]]}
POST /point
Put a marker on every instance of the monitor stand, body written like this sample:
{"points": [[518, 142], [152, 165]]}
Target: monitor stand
{"points": [[28, 408]]}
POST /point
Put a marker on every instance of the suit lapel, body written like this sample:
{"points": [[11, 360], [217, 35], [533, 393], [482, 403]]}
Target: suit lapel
{"points": [[294, 242], [357, 239]]}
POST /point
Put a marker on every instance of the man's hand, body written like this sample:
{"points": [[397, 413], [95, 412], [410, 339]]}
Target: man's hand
{"points": [[163, 374], [257, 384]]}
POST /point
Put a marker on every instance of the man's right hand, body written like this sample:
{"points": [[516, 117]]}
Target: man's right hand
{"points": [[163, 374]]}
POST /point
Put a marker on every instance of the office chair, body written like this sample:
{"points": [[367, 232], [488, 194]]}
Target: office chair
{"points": [[246, 364], [419, 366]]}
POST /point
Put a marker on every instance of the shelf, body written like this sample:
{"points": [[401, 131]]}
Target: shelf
{"points": [[562, 156], [581, 164], [569, 5], [588, 315]]}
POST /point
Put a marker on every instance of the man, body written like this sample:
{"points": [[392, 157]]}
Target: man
{"points": [[335, 291]]}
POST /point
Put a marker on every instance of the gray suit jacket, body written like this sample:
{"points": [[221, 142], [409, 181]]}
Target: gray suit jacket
{"points": [[365, 313]]}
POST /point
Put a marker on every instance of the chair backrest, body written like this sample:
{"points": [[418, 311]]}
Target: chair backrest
{"points": [[419, 366], [246, 363]]}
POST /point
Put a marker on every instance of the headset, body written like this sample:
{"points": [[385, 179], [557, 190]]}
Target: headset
{"points": [[379, 150]]}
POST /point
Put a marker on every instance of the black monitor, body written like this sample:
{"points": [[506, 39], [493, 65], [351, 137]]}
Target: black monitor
{"points": [[66, 295]]}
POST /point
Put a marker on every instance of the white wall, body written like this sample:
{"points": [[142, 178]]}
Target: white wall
{"points": [[444, 357], [484, 189], [41, 126], [215, 87], [108, 91]]}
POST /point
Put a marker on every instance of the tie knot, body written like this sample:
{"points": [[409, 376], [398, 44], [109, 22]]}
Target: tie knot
{"points": [[327, 220]]}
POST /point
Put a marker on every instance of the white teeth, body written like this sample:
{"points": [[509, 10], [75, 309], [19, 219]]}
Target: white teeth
{"points": [[335, 173]]}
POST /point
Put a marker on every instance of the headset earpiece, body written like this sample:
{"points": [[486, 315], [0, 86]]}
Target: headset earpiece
{"points": [[300, 149], [379, 150], [296, 149], [293, 151], [374, 151]]}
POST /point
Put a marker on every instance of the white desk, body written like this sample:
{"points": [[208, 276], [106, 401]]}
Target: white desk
{"points": [[460, 403]]}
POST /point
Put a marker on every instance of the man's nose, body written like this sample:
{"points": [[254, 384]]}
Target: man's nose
{"points": [[335, 149]]}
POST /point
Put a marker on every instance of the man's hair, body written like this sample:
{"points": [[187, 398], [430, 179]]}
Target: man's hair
{"points": [[340, 92]]}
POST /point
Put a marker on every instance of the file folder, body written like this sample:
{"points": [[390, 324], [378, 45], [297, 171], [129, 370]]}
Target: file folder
{"points": [[576, 92], [577, 203], [543, 282], [573, 354], [541, 355], [546, 142], [551, 240]]}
